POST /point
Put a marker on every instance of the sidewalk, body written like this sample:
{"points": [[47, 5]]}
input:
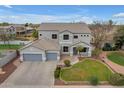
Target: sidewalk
{"points": [[117, 68]]}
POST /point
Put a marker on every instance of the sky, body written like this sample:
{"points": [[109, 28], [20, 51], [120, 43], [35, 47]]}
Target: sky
{"points": [[60, 13]]}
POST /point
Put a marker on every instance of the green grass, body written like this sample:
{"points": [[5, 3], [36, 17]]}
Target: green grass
{"points": [[116, 57], [12, 46], [84, 70]]}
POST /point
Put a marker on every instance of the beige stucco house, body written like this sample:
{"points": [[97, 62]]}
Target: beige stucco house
{"points": [[56, 39]]}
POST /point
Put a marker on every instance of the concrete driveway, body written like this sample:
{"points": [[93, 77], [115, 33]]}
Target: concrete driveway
{"points": [[32, 74]]}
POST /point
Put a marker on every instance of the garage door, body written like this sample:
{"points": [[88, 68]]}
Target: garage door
{"points": [[51, 56], [32, 57]]}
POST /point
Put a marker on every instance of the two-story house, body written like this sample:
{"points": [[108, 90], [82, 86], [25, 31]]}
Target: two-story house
{"points": [[56, 39]]}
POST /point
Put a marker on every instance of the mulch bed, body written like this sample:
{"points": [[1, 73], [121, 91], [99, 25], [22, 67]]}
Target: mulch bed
{"points": [[8, 68], [59, 82]]}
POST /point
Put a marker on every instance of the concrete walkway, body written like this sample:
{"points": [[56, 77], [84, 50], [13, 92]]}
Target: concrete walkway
{"points": [[117, 68], [73, 59]]}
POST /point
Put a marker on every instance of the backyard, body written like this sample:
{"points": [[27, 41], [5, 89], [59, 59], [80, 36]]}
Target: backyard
{"points": [[116, 57], [84, 70]]}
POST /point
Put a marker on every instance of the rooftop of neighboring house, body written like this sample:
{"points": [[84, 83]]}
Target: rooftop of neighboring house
{"points": [[72, 27]]}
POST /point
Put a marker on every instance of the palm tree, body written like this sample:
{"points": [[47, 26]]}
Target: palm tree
{"points": [[79, 49]]}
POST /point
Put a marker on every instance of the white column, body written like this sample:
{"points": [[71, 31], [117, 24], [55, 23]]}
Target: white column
{"points": [[89, 51], [21, 57], [71, 51], [44, 56]]}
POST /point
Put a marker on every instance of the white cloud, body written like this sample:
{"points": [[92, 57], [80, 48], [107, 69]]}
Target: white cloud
{"points": [[8, 6], [119, 15], [35, 18]]}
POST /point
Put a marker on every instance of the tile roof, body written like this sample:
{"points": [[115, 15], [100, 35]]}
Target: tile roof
{"points": [[45, 44], [72, 27]]}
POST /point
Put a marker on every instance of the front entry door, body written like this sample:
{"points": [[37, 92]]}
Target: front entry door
{"points": [[75, 51]]}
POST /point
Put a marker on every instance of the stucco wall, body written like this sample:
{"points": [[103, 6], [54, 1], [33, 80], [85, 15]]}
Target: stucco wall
{"points": [[83, 37], [61, 41], [48, 34]]}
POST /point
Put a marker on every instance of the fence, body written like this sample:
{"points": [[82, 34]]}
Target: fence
{"points": [[18, 42], [6, 59]]}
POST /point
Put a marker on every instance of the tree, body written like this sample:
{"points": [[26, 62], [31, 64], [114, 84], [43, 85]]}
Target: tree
{"points": [[119, 38], [35, 33], [4, 24], [79, 49], [99, 32]]}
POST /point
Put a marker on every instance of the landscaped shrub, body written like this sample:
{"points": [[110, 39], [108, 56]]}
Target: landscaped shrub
{"points": [[96, 52], [107, 47], [117, 79], [57, 72], [67, 63], [94, 80]]}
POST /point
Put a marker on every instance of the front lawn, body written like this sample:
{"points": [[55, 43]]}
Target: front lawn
{"points": [[116, 57], [11, 46], [84, 70]]}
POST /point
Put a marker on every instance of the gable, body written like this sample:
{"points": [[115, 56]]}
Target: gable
{"points": [[31, 49], [84, 44]]}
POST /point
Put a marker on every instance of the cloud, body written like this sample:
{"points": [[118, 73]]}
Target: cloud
{"points": [[36, 18], [119, 15], [7, 6]]}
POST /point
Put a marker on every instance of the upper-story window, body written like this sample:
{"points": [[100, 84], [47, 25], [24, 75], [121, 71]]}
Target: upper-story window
{"points": [[75, 36], [65, 37], [54, 36]]}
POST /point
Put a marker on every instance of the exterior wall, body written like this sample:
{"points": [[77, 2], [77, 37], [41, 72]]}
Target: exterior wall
{"points": [[48, 34], [7, 58], [82, 37], [61, 47], [70, 41], [32, 50]]}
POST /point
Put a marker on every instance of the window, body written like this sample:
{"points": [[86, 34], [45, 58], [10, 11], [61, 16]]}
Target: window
{"points": [[65, 48], [84, 35], [75, 36], [54, 36], [40, 34], [81, 35], [66, 37], [87, 35], [84, 49]]}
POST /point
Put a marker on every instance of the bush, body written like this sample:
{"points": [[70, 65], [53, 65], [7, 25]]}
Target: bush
{"points": [[67, 63], [117, 79], [107, 47], [57, 72], [96, 52], [94, 80]]}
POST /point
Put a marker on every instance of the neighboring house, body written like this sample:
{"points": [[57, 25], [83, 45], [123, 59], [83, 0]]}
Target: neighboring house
{"points": [[21, 30], [8, 30], [56, 39]]}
